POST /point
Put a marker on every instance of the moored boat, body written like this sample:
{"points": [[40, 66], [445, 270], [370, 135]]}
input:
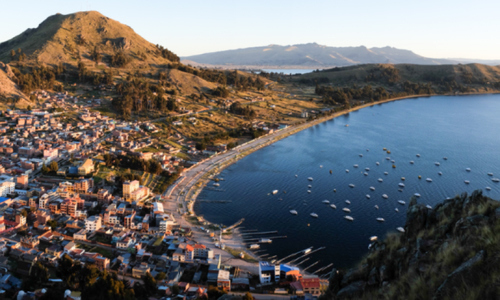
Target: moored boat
{"points": [[385, 196], [326, 202], [347, 210], [349, 218], [294, 212], [333, 206], [314, 215], [401, 202], [400, 229], [381, 219]]}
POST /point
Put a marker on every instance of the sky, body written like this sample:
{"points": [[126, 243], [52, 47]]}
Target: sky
{"points": [[436, 29]]}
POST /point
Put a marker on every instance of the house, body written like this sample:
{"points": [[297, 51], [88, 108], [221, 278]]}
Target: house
{"points": [[140, 270], [268, 272], [93, 223], [311, 285], [223, 281], [86, 168]]}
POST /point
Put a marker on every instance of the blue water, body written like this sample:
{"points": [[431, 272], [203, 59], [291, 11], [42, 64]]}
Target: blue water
{"points": [[289, 71], [465, 129]]}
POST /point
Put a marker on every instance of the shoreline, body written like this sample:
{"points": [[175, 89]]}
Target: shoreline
{"points": [[216, 165]]}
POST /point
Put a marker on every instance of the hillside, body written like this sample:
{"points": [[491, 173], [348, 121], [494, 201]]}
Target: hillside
{"points": [[9, 91], [447, 252], [70, 38], [310, 56]]}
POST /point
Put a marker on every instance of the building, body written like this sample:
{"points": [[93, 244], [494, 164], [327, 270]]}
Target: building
{"points": [[80, 235], [311, 286], [22, 181], [102, 263], [223, 281], [7, 185], [202, 252], [83, 186], [50, 154], [86, 168], [268, 272], [140, 270], [133, 192], [93, 223], [128, 220]]}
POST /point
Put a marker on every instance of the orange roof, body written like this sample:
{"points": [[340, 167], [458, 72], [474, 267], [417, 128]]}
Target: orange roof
{"points": [[200, 246], [310, 282], [189, 248]]}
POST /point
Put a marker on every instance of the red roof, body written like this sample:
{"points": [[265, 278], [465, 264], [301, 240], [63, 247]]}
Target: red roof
{"points": [[200, 246], [308, 283], [189, 248]]}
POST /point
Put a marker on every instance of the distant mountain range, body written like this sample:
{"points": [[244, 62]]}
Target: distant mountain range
{"points": [[313, 55]]}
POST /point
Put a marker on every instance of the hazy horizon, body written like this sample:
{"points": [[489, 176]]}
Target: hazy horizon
{"points": [[429, 29]]}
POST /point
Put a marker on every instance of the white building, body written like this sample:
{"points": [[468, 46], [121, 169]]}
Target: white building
{"points": [[7, 185], [93, 223]]}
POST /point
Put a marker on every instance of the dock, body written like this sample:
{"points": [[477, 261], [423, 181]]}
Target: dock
{"points": [[309, 253], [215, 201], [271, 238], [311, 266], [263, 232]]}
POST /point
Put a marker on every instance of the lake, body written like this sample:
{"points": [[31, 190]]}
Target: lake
{"points": [[289, 71], [465, 129]]}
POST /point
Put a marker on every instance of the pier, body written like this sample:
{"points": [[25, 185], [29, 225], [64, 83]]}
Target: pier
{"points": [[234, 225], [263, 232], [270, 238], [311, 266], [309, 253], [215, 201]]}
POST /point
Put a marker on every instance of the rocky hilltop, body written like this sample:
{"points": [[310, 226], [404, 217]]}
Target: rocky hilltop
{"points": [[451, 251]]}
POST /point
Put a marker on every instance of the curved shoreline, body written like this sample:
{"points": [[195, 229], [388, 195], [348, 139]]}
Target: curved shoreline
{"points": [[215, 164]]}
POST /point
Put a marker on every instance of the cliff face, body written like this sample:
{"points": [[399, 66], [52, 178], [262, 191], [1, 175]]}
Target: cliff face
{"points": [[449, 252]]}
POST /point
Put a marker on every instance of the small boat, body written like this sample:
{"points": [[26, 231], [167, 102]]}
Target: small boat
{"points": [[263, 240], [386, 173], [275, 192], [333, 206], [394, 166], [334, 190], [326, 201], [402, 178], [437, 164], [401, 202], [216, 184], [400, 229], [377, 163], [346, 125], [376, 206], [351, 185], [373, 238], [372, 188], [445, 158], [397, 210], [440, 173], [254, 246], [367, 169], [321, 166], [393, 161], [280, 199], [400, 190], [495, 179], [488, 188], [416, 195], [331, 172], [388, 151], [348, 202], [309, 191], [367, 150], [428, 206], [296, 175], [314, 215], [381, 219], [367, 196], [347, 210], [490, 174], [309, 186], [310, 178], [355, 166], [466, 181], [428, 179], [418, 155], [366, 174], [294, 212], [411, 162], [385, 196], [347, 170], [468, 169], [361, 155], [388, 158], [401, 184], [385, 149], [349, 218], [419, 177], [380, 180], [307, 250]]}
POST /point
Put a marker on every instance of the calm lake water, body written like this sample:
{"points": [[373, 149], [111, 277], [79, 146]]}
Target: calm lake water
{"points": [[289, 71], [465, 129]]}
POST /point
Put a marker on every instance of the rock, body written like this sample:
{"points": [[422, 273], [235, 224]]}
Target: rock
{"points": [[372, 277], [416, 218], [335, 280], [458, 277], [383, 273], [123, 43], [355, 289], [497, 213]]}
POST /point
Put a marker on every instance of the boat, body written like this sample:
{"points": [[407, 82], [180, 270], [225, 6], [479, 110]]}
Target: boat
{"points": [[394, 166], [333, 206], [349, 218], [275, 192], [495, 179], [428, 206], [437, 164], [361, 155], [373, 238], [346, 125], [386, 173], [388, 151], [419, 177], [377, 163], [326, 201], [366, 174], [381, 219], [216, 184], [376, 206], [367, 150], [411, 162], [466, 181], [372, 188], [321, 166], [367, 169], [351, 185], [445, 158], [400, 229], [401, 184], [385, 149], [296, 175], [397, 210], [367, 196], [428, 179], [388, 158], [307, 250], [440, 173], [400, 190], [355, 166], [347, 170], [310, 178], [334, 190], [468, 169], [393, 161], [416, 195], [348, 202], [347, 210], [380, 180], [385, 196], [418, 155], [403, 179], [331, 172], [267, 241], [490, 174], [254, 246], [309, 191], [294, 212], [488, 188], [314, 215], [309, 186], [401, 202]]}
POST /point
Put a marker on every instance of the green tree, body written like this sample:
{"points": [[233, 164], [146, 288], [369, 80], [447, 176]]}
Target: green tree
{"points": [[45, 169], [247, 296], [160, 276], [12, 54], [53, 166], [52, 224]]}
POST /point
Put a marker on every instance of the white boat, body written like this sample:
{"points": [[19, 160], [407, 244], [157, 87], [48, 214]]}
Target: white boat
{"points": [[466, 181], [428, 206], [372, 188], [309, 186], [373, 238], [366, 174], [418, 155], [367, 196], [401, 202], [411, 162], [321, 166], [254, 246], [400, 229], [440, 173], [355, 166], [367, 150], [393, 161], [309, 191], [401, 184], [314, 215], [377, 163], [361, 155], [333, 206], [397, 210], [381, 219], [307, 250], [386, 173], [376, 206], [275, 192], [351, 185], [416, 195], [216, 184], [367, 169], [349, 218], [380, 180], [348, 202], [437, 164], [347, 210], [388, 158], [403, 179], [495, 179], [468, 169], [294, 212], [347, 170], [385, 196], [296, 175], [326, 201], [490, 174], [267, 241], [488, 188], [310, 178], [428, 179]]}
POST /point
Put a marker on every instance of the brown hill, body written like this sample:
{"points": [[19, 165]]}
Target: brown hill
{"points": [[9, 91]]}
